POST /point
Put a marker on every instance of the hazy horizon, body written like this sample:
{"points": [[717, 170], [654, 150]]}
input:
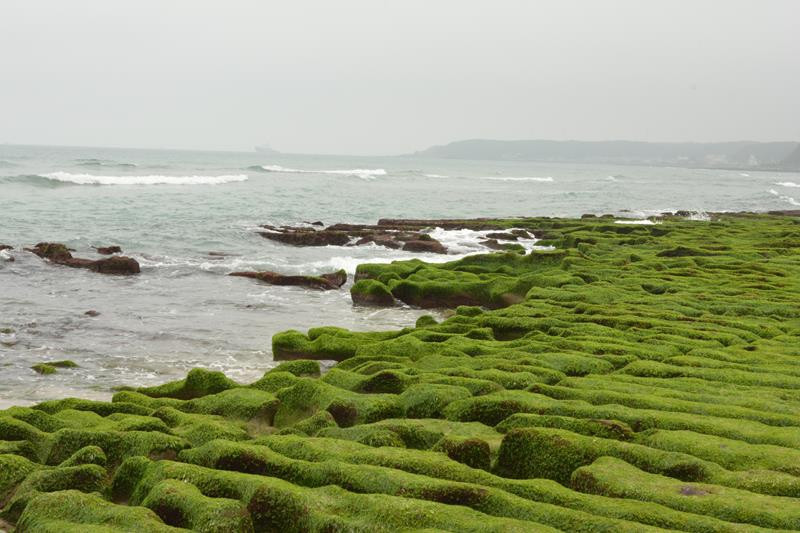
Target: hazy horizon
{"points": [[362, 78]]}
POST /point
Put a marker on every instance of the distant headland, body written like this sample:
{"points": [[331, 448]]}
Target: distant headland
{"points": [[729, 155]]}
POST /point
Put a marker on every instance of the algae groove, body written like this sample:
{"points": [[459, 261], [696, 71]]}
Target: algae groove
{"points": [[634, 378]]}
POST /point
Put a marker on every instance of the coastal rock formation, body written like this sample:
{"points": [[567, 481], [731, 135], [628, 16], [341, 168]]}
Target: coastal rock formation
{"points": [[355, 235], [306, 236], [429, 245], [329, 281], [5, 247], [108, 250], [371, 292], [400, 234], [621, 388], [59, 254]]}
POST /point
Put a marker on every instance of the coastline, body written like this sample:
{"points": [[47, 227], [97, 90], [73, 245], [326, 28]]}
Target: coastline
{"points": [[564, 380]]}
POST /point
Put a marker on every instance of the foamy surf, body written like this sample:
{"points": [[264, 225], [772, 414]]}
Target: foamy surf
{"points": [[547, 179], [784, 197], [363, 173], [641, 222], [788, 184], [91, 179]]}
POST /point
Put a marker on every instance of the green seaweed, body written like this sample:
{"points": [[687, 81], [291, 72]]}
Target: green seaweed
{"points": [[637, 377]]}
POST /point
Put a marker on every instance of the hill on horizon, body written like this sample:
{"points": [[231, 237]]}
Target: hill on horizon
{"points": [[736, 154]]}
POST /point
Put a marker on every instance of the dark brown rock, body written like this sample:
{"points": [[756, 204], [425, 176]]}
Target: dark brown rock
{"points": [[383, 239], [92, 312], [308, 237], [5, 247], [115, 265], [407, 234], [474, 223], [325, 282], [493, 244], [54, 251], [59, 254], [108, 250], [500, 236], [337, 278], [431, 246]]}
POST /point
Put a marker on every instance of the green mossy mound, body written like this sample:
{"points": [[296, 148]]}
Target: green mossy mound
{"points": [[636, 378]]}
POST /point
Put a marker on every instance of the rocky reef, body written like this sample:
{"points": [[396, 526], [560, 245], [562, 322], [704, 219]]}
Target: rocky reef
{"points": [[61, 255], [328, 281], [635, 378], [411, 235]]}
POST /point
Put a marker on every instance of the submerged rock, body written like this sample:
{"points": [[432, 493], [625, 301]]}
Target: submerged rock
{"points": [[329, 281], [44, 369], [8, 337], [50, 367], [59, 254], [5, 247], [108, 250]]}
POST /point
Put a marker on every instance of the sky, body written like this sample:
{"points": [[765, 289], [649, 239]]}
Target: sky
{"points": [[395, 76]]}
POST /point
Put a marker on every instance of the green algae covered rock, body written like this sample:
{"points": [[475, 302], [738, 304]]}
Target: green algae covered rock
{"points": [[371, 292], [71, 511], [636, 378]]}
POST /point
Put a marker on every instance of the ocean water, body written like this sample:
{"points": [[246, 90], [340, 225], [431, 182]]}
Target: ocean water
{"points": [[169, 209]]}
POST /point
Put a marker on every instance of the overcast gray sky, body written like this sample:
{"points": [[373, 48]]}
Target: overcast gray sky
{"points": [[374, 77]]}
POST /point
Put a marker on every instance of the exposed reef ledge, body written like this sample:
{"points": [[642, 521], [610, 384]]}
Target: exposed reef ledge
{"points": [[408, 235], [61, 255], [647, 380], [325, 282]]}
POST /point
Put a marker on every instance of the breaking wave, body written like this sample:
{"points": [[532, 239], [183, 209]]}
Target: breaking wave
{"points": [[91, 179], [784, 197], [363, 173], [788, 184]]}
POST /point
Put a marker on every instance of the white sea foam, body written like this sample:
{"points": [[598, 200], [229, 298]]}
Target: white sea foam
{"points": [[467, 241], [91, 179], [435, 176], [363, 173], [547, 179], [611, 178], [788, 184], [744, 174], [642, 222], [700, 216], [784, 197]]}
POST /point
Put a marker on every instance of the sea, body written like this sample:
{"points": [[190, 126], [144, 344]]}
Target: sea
{"points": [[171, 209]]}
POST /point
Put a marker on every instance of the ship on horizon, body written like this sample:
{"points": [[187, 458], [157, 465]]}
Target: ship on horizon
{"points": [[264, 149]]}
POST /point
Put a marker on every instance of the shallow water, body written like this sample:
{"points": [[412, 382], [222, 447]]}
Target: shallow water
{"points": [[168, 209]]}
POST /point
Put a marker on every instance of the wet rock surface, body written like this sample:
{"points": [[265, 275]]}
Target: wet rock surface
{"points": [[400, 234], [108, 250], [604, 385], [325, 282], [61, 255]]}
